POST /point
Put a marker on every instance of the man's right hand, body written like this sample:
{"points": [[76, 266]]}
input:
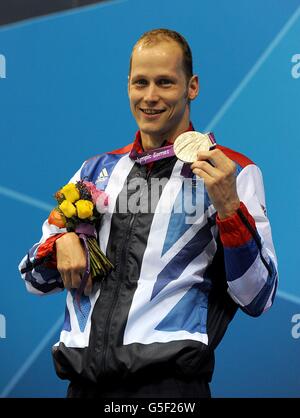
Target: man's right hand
{"points": [[71, 262]]}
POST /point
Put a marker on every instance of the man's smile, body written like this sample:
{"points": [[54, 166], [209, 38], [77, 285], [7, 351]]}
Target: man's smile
{"points": [[152, 111]]}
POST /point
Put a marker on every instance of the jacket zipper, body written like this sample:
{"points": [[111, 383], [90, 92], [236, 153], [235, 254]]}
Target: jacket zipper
{"points": [[117, 289]]}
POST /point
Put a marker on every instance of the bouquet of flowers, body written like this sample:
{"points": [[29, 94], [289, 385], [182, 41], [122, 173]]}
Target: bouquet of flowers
{"points": [[79, 210]]}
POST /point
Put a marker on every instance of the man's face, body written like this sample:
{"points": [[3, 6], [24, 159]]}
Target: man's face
{"points": [[158, 90]]}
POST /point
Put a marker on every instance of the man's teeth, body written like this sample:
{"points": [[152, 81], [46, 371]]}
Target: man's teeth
{"points": [[152, 111]]}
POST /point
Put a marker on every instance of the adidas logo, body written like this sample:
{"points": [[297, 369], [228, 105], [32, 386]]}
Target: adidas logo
{"points": [[102, 176]]}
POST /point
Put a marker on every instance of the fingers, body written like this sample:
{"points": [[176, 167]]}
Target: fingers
{"points": [[204, 169], [218, 159], [76, 279], [71, 261], [72, 280], [213, 155], [222, 168], [201, 173], [67, 279], [89, 286]]}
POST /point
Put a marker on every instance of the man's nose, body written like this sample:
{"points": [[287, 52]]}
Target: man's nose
{"points": [[151, 93]]}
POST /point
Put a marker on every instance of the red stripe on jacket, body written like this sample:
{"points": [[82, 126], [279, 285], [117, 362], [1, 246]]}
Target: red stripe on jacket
{"points": [[237, 157]]}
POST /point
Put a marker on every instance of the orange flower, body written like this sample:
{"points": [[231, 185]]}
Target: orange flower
{"points": [[56, 218], [59, 196]]}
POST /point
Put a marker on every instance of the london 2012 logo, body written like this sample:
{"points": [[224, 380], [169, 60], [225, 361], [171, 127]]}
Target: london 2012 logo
{"points": [[2, 66]]}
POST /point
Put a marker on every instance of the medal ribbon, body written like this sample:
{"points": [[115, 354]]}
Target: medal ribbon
{"points": [[162, 152], [152, 155]]}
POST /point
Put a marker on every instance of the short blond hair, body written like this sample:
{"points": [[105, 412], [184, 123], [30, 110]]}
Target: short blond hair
{"points": [[155, 36]]}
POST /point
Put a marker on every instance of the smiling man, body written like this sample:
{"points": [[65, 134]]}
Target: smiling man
{"points": [[160, 90], [151, 327]]}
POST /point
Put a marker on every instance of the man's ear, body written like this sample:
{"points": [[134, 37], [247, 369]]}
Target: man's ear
{"points": [[193, 87]]}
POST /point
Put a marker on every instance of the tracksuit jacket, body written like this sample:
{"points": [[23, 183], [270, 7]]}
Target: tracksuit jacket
{"points": [[180, 273]]}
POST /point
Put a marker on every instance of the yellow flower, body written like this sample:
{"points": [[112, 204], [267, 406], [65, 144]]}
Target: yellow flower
{"points": [[67, 208], [84, 208], [70, 192]]}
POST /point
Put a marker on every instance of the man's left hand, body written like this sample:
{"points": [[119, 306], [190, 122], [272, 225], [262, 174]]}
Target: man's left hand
{"points": [[219, 179]]}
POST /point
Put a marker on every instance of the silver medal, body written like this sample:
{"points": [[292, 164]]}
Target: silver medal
{"points": [[188, 144]]}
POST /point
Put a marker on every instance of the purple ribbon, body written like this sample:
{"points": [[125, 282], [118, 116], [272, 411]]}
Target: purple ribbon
{"points": [[186, 170], [85, 230], [160, 153], [213, 139], [152, 155]]}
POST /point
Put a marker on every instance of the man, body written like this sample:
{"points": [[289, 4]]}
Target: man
{"points": [[151, 327]]}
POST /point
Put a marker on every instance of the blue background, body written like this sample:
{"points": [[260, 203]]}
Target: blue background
{"points": [[64, 99]]}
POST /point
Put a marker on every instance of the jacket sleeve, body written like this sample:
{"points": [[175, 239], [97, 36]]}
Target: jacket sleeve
{"points": [[250, 259], [38, 267]]}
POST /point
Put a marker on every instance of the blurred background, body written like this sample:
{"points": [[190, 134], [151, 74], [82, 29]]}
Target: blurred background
{"points": [[63, 99], [16, 10]]}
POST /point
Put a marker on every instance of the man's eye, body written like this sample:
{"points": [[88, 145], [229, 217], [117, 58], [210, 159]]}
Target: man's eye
{"points": [[164, 81], [141, 82]]}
